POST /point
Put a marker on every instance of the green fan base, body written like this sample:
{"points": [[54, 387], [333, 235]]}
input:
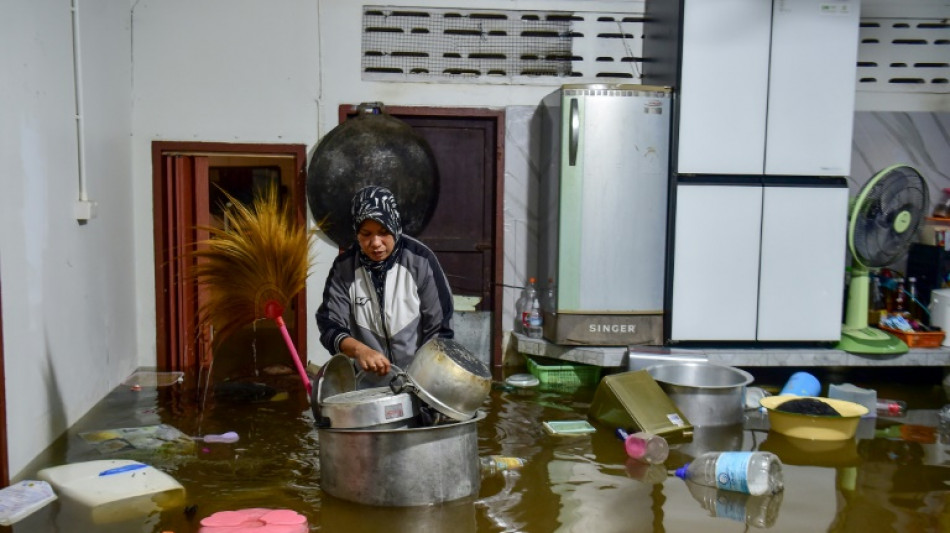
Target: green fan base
{"points": [[871, 341]]}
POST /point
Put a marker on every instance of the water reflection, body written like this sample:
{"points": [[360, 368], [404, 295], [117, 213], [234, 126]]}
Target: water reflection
{"points": [[339, 516], [568, 483], [756, 511]]}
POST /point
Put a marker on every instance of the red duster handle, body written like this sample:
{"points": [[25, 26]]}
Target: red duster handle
{"points": [[273, 310]]}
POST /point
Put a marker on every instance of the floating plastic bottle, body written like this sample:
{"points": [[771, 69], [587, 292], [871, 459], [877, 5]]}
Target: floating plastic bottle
{"points": [[754, 473], [646, 447], [886, 407], [495, 464]]}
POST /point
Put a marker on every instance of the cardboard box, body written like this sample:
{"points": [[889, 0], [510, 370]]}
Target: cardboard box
{"points": [[603, 329]]}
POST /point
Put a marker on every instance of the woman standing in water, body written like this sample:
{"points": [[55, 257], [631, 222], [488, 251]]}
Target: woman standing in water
{"points": [[386, 295]]}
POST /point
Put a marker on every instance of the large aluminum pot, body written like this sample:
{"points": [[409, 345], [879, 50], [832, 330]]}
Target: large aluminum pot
{"points": [[401, 467], [447, 377], [708, 394]]}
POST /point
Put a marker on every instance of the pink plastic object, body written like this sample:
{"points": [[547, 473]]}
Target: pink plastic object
{"points": [[228, 437], [255, 520], [645, 447]]}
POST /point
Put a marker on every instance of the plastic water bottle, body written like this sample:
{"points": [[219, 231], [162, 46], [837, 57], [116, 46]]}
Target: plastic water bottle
{"points": [[496, 464], [549, 302], [528, 295], [535, 320], [646, 447], [754, 473]]}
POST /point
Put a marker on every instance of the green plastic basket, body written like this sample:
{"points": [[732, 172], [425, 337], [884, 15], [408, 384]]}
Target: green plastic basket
{"points": [[553, 372]]}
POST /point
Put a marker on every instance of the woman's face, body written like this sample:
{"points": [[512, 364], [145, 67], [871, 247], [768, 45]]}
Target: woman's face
{"points": [[375, 240]]}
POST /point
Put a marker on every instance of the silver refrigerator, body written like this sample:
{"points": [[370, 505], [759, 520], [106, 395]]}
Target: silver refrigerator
{"points": [[603, 212]]}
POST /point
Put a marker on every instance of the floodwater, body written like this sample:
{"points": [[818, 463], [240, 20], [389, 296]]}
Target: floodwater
{"points": [[576, 483]]}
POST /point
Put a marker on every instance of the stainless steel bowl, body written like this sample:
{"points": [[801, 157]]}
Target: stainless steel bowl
{"points": [[708, 394]]}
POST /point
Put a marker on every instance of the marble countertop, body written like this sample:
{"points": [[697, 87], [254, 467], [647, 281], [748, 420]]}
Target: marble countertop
{"points": [[617, 356]]}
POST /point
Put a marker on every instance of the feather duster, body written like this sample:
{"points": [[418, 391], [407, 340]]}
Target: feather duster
{"points": [[253, 266]]}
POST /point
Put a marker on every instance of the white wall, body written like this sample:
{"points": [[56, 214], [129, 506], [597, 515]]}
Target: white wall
{"points": [[241, 71], [68, 293], [270, 72]]}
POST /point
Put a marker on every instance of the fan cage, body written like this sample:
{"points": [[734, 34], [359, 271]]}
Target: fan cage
{"points": [[887, 216]]}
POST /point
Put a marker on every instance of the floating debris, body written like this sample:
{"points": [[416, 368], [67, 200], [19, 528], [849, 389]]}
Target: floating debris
{"points": [[807, 406]]}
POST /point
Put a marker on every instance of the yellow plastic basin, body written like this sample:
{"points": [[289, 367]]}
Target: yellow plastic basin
{"points": [[814, 427]]}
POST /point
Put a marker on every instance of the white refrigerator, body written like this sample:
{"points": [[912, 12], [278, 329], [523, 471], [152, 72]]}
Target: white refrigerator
{"points": [[603, 212]]}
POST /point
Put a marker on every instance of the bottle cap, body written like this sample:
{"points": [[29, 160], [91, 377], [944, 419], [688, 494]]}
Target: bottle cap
{"points": [[681, 471]]}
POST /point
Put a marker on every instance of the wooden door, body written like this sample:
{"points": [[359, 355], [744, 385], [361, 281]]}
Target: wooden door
{"points": [[465, 229], [184, 201]]}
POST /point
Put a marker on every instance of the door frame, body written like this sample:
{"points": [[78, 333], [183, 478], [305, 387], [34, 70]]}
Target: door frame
{"points": [[4, 457], [168, 320], [498, 202]]}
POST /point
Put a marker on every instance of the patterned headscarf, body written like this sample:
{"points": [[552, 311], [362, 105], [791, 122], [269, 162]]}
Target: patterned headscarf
{"points": [[379, 204]]}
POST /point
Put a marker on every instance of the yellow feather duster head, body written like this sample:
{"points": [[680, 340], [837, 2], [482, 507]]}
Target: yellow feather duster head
{"points": [[254, 265]]}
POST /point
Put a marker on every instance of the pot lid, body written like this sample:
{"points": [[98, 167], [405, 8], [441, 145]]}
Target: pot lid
{"points": [[375, 394], [335, 377], [368, 408]]}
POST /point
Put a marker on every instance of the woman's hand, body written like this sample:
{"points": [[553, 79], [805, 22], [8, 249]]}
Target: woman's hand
{"points": [[367, 358], [372, 361]]}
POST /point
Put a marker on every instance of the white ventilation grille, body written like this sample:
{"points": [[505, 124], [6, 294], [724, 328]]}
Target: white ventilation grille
{"points": [[904, 55], [501, 46]]}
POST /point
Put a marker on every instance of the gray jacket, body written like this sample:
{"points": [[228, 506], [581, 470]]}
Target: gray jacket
{"points": [[418, 304]]}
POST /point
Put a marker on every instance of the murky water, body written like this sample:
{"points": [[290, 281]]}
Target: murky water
{"points": [[576, 483]]}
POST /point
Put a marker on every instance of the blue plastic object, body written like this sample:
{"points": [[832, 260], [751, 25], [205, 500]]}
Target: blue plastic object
{"points": [[802, 384]]}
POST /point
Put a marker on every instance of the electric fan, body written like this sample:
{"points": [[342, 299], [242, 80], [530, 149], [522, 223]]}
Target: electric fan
{"points": [[883, 221]]}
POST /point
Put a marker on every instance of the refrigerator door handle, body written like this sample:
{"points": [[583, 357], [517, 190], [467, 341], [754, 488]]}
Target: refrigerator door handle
{"points": [[575, 133]]}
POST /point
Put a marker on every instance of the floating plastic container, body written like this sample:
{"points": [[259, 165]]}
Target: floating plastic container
{"points": [[855, 394], [115, 490], [22, 499], [563, 373], [801, 384], [568, 427], [153, 379], [255, 519], [634, 401], [815, 427]]}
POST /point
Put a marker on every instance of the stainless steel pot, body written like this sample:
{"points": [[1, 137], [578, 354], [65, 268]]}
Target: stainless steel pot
{"points": [[447, 377], [708, 394], [375, 408], [401, 467]]}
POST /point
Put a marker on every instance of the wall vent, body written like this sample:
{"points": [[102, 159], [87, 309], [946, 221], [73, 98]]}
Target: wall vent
{"points": [[501, 46], [901, 55]]}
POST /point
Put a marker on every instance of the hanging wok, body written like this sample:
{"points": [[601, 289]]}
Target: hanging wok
{"points": [[373, 148]]}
